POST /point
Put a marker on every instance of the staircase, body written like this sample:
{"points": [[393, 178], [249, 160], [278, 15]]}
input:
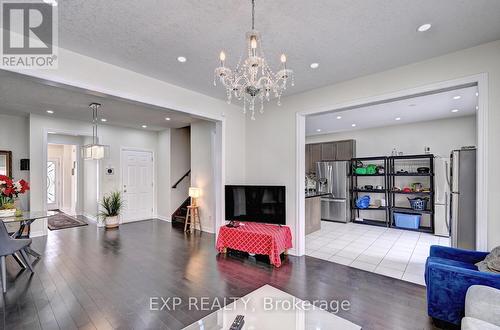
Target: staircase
{"points": [[179, 216]]}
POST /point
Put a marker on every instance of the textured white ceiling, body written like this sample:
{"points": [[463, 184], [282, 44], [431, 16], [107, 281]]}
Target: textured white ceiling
{"points": [[414, 109], [20, 95], [349, 38]]}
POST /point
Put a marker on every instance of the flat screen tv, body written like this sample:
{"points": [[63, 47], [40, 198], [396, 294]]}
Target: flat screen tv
{"points": [[265, 204]]}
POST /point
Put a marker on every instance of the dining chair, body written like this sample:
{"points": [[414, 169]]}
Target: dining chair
{"points": [[10, 246]]}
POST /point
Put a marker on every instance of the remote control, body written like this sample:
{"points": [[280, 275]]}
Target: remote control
{"points": [[238, 323]]}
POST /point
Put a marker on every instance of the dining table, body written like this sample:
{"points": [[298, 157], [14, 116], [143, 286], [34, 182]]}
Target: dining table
{"points": [[25, 220]]}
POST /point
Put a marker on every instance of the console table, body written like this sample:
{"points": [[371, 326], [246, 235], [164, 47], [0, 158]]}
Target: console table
{"points": [[256, 238]]}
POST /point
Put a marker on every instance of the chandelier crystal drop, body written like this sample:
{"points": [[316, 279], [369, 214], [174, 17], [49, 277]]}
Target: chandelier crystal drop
{"points": [[253, 81]]}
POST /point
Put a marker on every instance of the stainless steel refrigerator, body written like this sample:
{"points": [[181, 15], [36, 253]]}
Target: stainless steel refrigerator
{"points": [[463, 198], [334, 175]]}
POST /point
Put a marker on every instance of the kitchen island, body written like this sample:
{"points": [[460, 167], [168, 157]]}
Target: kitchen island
{"points": [[313, 211]]}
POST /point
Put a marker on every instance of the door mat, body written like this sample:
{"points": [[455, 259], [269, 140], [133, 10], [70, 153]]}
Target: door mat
{"points": [[63, 221]]}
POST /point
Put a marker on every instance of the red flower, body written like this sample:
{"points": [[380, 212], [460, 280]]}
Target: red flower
{"points": [[7, 180], [8, 191], [24, 186]]}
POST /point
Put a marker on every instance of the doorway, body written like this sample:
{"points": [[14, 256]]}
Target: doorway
{"points": [[137, 184], [478, 80], [62, 178]]}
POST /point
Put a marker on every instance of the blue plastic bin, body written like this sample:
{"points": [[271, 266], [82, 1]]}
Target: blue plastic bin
{"points": [[404, 220]]}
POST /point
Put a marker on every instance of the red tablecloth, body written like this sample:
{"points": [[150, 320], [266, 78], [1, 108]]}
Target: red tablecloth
{"points": [[256, 238]]}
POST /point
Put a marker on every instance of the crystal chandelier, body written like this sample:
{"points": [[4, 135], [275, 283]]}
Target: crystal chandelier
{"points": [[94, 150], [253, 81]]}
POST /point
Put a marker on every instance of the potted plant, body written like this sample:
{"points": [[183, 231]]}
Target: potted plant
{"points": [[111, 206], [9, 192]]}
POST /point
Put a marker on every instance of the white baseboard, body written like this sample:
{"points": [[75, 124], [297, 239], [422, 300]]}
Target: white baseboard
{"points": [[90, 216], [160, 217], [206, 230]]}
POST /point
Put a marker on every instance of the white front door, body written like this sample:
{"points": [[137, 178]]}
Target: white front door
{"points": [[137, 185]]}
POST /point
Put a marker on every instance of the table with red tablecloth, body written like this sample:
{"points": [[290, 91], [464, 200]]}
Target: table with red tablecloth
{"points": [[256, 238]]}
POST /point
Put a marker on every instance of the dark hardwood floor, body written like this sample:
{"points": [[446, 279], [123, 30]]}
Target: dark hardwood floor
{"points": [[89, 278]]}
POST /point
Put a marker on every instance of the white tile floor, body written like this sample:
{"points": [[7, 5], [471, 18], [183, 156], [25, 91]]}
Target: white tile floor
{"points": [[387, 251]]}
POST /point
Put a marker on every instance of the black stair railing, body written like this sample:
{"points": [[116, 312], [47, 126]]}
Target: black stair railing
{"points": [[182, 178]]}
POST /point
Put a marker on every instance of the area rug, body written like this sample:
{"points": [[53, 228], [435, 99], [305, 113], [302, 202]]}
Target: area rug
{"points": [[63, 221]]}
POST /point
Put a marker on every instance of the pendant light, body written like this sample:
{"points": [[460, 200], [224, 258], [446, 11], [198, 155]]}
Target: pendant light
{"points": [[95, 151]]}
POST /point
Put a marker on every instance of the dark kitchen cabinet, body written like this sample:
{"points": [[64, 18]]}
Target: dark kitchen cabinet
{"points": [[308, 158], [313, 155], [328, 151], [345, 150]]}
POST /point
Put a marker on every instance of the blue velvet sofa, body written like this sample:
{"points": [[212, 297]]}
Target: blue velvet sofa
{"points": [[449, 272]]}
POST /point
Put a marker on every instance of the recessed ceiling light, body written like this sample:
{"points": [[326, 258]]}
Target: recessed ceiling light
{"points": [[397, 118], [50, 111], [457, 97], [424, 27], [104, 120], [318, 130], [181, 59], [477, 107], [454, 110], [339, 117], [314, 65], [353, 125], [477, 93], [144, 126], [167, 118]]}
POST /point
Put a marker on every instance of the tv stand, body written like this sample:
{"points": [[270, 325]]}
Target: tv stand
{"points": [[257, 238]]}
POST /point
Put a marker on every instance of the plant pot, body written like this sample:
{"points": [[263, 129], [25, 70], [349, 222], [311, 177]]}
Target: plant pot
{"points": [[7, 213], [112, 222]]}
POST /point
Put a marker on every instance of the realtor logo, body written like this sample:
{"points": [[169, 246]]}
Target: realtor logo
{"points": [[29, 34]]}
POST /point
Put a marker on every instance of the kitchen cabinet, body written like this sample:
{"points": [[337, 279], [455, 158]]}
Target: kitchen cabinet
{"points": [[313, 155], [328, 151], [313, 214], [308, 158], [345, 150]]}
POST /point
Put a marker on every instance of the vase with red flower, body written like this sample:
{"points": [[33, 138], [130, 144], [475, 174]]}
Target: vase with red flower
{"points": [[9, 193]]}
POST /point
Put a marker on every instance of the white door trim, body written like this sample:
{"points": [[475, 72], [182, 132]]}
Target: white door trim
{"points": [[122, 150], [482, 151]]}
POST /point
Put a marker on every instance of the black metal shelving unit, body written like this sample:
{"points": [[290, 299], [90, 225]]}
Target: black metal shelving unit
{"points": [[406, 166], [356, 191]]}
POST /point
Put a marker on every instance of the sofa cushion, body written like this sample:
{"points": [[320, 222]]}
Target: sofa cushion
{"points": [[483, 302], [470, 323], [452, 263]]}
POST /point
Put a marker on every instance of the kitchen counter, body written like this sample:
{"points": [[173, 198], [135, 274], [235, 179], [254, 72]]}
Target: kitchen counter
{"points": [[316, 194], [313, 211]]}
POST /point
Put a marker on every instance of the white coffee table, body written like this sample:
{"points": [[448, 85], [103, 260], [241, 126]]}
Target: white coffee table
{"points": [[258, 316]]}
